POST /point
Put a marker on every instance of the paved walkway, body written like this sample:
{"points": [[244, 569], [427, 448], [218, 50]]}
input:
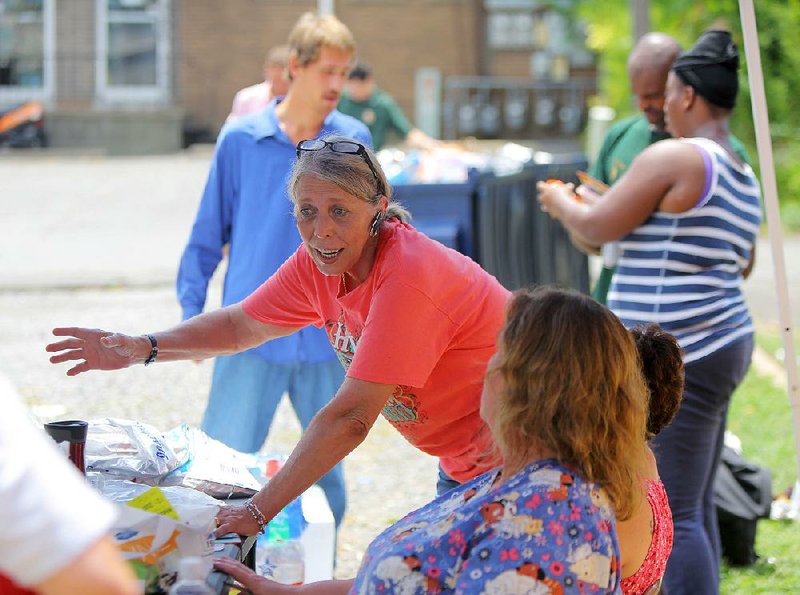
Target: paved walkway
{"points": [[761, 289], [96, 221], [100, 221]]}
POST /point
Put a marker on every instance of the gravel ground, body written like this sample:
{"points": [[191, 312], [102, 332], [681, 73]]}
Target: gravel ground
{"points": [[386, 477]]}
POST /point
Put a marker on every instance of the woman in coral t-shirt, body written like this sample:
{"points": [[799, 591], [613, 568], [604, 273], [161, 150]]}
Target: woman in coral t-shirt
{"points": [[413, 322], [544, 521]]}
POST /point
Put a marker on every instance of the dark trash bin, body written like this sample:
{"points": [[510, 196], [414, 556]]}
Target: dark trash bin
{"points": [[518, 243], [496, 220]]}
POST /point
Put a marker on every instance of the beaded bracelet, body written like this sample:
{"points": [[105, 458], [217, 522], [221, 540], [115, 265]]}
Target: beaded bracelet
{"points": [[260, 519], [153, 350]]}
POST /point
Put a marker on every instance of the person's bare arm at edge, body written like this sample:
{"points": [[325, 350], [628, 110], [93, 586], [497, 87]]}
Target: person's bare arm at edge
{"points": [[97, 571], [335, 431], [219, 332], [419, 140], [585, 247], [258, 585], [752, 263], [668, 176]]}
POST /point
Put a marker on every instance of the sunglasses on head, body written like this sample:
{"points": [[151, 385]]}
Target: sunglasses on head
{"points": [[348, 147]]}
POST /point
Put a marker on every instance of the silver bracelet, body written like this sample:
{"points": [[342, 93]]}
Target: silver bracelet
{"points": [[259, 517]]}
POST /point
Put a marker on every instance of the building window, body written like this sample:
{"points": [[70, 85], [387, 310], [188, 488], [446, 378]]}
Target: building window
{"points": [[510, 30], [133, 52], [26, 50]]}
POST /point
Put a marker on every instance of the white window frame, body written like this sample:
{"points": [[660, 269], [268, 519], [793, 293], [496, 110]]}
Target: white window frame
{"points": [[17, 93], [137, 95]]}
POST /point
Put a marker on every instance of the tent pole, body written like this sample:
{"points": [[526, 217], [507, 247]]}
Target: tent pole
{"points": [[755, 77]]}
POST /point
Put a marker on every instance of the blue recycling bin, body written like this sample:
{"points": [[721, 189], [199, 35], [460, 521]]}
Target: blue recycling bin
{"points": [[444, 212]]}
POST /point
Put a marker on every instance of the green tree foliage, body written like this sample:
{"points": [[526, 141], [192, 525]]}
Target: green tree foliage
{"points": [[610, 35]]}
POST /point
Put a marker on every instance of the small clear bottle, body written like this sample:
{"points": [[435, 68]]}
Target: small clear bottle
{"points": [[279, 553], [191, 578], [284, 561]]}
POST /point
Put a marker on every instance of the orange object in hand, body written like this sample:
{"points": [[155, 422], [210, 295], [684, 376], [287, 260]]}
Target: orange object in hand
{"points": [[554, 182]]}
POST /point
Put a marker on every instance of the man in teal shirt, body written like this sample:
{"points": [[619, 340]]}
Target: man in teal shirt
{"points": [[363, 100], [648, 67]]}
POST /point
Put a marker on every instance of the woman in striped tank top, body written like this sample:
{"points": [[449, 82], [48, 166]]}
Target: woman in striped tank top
{"points": [[686, 214]]}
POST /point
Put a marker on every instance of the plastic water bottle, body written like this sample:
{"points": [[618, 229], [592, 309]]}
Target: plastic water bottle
{"points": [[191, 578], [284, 561], [279, 553]]}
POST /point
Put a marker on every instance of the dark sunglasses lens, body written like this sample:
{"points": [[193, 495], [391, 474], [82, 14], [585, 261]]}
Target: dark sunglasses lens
{"points": [[346, 147]]}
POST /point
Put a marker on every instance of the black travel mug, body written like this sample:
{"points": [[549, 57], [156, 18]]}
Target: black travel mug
{"points": [[73, 432]]}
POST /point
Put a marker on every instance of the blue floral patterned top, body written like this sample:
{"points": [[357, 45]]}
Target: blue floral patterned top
{"points": [[544, 530]]}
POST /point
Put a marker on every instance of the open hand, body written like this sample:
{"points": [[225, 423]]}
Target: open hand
{"points": [[236, 519], [98, 349], [551, 196]]}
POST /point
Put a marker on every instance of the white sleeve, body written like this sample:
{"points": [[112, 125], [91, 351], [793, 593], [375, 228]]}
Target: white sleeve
{"points": [[48, 513]]}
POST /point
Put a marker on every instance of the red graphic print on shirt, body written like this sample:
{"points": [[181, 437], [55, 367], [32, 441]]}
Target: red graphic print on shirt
{"points": [[343, 341], [402, 408]]}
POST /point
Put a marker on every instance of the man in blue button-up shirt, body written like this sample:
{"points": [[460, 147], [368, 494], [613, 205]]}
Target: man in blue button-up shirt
{"points": [[245, 205]]}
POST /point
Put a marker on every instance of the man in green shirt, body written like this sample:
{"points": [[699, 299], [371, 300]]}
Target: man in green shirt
{"points": [[648, 66], [363, 100]]}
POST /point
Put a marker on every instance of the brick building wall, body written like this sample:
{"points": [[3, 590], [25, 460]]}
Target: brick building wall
{"points": [[222, 49], [203, 51], [221, 45], [397, 38]]}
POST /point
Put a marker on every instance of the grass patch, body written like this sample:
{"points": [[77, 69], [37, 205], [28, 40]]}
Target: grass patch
{"points": [[760, 415], [770, 340], [787, 177], [790, 216]]}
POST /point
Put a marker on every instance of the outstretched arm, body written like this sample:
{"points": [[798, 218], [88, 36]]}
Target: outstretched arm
{"points": [[419, 140], [335, 431], [669, 176], [751, 263], [220, 332]]}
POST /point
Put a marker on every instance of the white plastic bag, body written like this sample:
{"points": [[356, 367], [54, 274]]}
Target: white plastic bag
{"points": [[209, 465], [125, 449]]}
